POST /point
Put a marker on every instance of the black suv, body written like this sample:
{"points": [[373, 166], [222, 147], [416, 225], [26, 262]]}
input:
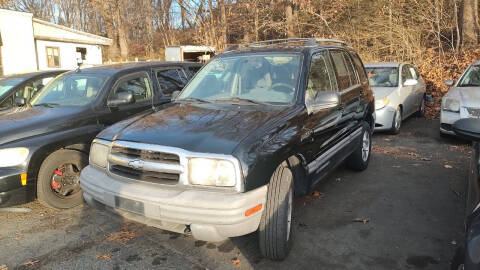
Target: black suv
{"points": [[257, 125], [44, 145]]}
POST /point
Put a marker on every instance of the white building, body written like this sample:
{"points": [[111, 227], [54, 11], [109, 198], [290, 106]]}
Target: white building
{"points": [[189, 53], [29, 44]]}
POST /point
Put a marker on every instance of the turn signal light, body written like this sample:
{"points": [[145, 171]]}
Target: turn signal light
{"points": [[253, 210], [23, 179]]}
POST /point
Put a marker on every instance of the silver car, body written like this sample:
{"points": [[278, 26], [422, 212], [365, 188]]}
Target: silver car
{"points": [[399, 92], [462, 100]]}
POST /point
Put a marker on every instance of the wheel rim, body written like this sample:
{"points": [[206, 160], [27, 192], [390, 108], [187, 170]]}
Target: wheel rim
{"points": [[366, 146], [398, 119], [422, 107], [64, 181], [289, 213]]}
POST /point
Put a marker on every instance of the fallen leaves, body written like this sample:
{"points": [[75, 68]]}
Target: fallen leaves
{"points": [[106, 257], [236, 261], [363, 220], [30, 263], [122, 236], [399, 152]]}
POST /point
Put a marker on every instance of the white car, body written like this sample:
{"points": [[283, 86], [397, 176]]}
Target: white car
{"points": [[399, 92], [462, 100]]}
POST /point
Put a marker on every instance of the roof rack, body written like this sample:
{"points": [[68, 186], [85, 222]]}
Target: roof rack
{"points": [[305, 41]]}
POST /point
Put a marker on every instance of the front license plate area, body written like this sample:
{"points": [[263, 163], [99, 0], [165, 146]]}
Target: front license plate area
{"points": [[129, 205]]}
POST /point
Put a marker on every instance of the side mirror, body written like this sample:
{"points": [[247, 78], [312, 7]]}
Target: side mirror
{"points": [[175, 94], [19, 101], [449, 82], [121, 98], [468, 128], [323, 100], [410, 82]]}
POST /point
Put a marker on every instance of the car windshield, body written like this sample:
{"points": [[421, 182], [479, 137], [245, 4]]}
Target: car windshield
{"points": [[270, 78], [383, 76], [471, 78], [8, 83], [70, 90]]}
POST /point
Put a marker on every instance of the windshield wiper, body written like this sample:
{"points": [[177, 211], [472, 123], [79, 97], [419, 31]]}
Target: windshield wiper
{"points": [[194, 99], [239, 100], [47, 104]]}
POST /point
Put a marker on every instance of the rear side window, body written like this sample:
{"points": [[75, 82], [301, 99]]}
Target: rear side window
{"points": [[343, 66], [171, 80], [360, 68], [321, 76]]}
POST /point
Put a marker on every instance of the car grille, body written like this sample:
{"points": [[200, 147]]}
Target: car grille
{"points": [[475, 112], [140, 162]]}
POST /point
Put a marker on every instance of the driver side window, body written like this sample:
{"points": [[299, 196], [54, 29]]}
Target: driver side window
{"points": [[139, 85], [321, 76], [6, 104]]}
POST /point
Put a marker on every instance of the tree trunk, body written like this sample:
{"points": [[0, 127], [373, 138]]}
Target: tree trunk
{"points": [[470, 24], [122, 33], [223, 17], [289, 15]]}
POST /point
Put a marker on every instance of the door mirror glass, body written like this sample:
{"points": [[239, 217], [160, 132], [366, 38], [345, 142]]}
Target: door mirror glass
{"points": [[20, 101], [410, 82], [121, 98], [449, 82], [324, 100], [468, 128], [175, 94]]}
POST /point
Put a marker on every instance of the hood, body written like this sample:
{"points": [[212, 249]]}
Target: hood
{"points": [[382, 92], [207, 128], [468, 96], [32, 121]]}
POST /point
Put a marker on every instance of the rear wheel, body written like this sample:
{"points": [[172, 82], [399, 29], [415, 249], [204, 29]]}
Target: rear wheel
{"points": [[360, 158], [58, 180], [275, 231], [397, 121], [421, 110]]}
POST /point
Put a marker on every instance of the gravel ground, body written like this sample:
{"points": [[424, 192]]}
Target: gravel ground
{"points": [[404, 212]]}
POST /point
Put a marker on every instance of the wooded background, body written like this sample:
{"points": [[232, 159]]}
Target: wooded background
{"points": [[440, 37]]}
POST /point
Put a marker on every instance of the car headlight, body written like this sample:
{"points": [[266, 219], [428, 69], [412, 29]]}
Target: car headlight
{"points": [[99, 153], [211, 172], [452, 105], [381, 103], [13, 156]]}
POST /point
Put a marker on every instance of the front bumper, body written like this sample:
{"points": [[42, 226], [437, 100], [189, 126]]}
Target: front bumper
{"points": [[211, 216], [384, 118], [447, 119], [12, 192]]}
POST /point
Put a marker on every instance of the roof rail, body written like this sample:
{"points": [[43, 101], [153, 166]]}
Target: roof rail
{"points": [[306, 41]]}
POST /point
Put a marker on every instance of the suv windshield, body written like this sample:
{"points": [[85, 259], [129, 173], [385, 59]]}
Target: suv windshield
{"points": [[471, 78], [383, 77], [7, 84], [270, 78], [70, 90]]}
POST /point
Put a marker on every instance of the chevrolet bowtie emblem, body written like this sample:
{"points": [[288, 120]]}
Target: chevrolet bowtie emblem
{"points": [[136, 164]]}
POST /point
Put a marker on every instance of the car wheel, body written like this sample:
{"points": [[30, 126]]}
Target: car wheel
{"points": [[57, 184], [360, 158], [275, 230], [397, 121], [421, 110]]}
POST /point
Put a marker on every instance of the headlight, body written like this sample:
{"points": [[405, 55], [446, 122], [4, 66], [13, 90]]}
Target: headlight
{"points": [[450, 104], [211, 172], [13, 156], [381, 103], [99, 154]]}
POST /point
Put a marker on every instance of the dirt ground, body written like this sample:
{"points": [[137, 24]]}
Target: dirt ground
{"points": [[404, 212]]}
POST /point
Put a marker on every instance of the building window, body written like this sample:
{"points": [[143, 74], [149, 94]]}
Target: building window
{"points": [[53, 57], [82, 51]]}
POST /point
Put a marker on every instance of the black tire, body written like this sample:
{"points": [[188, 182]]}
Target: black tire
{"points": [[275, 230], [45, 193], [397, 117], [421, 110], [360, 158]]}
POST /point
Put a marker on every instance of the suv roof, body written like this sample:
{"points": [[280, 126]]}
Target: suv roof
{"points": [[290, 44], [115, 68]]}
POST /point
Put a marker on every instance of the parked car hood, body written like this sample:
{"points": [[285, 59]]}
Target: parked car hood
{"points": [[207, 128], [382, 92], [468, 96], [33, 121]]}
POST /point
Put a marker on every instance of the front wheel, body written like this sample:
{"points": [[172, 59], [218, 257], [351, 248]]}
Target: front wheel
{"points": [[397, 121], [57, 184], [360, 157], [275, 231], [421, 110]]}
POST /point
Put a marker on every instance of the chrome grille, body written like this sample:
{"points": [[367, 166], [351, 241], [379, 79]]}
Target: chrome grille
{"points": [[475, 112], [146, 155], [148, 176]]}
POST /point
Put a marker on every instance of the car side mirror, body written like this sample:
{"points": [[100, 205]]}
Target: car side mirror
{"points": [[468, 128], [410, 82], [449, 82], [323, 100], [121, 98], [175, 94], [19, 101]]}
